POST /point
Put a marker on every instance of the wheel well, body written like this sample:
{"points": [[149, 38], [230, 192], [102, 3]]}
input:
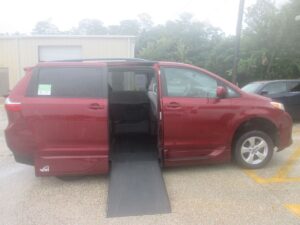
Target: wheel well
{"points": [[256, 124]]}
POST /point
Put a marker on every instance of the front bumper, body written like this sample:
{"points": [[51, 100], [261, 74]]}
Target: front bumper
{"points": [[285, 132]]}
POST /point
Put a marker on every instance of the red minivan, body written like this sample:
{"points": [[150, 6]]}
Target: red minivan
{"points": [[67, 117]]}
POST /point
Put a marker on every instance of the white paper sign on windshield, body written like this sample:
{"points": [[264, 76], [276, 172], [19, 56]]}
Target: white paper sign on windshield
{"points": [[44, 89]]}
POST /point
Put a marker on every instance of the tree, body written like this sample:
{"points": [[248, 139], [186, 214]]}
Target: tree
{"points": [[262, 38], [90, 27], [126, 27], [45, 27], [182, 40], [269, 45], [290, 45], [221, 57], [145, 22]]}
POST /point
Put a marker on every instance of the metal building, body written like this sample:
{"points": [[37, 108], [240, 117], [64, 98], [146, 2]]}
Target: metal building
{"points": [[19, 52]]}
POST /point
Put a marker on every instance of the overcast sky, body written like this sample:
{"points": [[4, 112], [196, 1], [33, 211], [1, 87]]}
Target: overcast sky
{"points": [[22, 15]]}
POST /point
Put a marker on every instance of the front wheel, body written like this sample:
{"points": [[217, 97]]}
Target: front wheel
{"points": [[253, 149]]}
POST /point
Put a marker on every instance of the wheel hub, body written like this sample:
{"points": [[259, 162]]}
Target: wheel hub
{"points": [[254, 150]]}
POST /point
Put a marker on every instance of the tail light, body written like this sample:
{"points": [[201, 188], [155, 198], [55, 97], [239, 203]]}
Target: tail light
{"points": [[12, 106]]}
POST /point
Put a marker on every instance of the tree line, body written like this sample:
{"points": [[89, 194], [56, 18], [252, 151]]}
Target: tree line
{"points": [[270, 42]]}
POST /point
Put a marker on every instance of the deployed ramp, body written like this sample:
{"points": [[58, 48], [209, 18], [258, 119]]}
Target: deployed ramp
{"points": [[136, 184]]}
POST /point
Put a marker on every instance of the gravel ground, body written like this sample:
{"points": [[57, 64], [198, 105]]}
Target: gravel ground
{"points": [[216, 194]]}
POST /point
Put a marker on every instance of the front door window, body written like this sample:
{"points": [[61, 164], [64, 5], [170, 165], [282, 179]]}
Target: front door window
{"points": [[189, 83]]}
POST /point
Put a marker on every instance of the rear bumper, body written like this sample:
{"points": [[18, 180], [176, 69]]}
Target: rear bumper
{"points": [[21, 144], [24, 159]]}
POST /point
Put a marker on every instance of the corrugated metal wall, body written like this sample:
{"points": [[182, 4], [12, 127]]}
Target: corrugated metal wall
{"points": [[20, 52]]}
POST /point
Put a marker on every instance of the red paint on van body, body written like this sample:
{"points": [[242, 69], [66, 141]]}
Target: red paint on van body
{"points": [[201, 130], [62, 135], [71, 135]]}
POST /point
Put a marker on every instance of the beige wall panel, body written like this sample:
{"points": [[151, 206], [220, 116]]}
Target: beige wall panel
{"points": [[9, 59], [17, 53]]}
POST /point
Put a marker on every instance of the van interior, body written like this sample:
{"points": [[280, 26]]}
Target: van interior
{"points": [[133, 112]]}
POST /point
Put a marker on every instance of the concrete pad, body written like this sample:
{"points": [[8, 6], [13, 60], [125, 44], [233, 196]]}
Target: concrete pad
{"points": [[215, 194]]}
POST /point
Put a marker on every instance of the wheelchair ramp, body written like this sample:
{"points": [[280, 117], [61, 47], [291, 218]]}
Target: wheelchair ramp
{"points": [[136, 184]]}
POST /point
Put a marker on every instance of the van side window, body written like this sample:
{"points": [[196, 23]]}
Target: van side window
{"points": [[188, 83], [274, 88], [71, 83]]}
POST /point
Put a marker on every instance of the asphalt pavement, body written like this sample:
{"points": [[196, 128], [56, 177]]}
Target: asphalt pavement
{"points": [[215, 194]]}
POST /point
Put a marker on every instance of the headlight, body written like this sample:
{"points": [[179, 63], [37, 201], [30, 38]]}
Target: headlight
{"points": [[278, 105]]}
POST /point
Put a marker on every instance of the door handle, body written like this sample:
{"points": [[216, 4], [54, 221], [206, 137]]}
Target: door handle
{"points": [[96, 106], [173, 105]]}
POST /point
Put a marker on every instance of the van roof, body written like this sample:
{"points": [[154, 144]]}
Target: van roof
{"points": [[107, 61], [111, 61]]}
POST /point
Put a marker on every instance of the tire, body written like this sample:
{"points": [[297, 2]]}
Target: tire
{"points": [[253, 149]]}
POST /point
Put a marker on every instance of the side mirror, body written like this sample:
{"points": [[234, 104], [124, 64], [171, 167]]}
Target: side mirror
{"points": [[221, 92]]}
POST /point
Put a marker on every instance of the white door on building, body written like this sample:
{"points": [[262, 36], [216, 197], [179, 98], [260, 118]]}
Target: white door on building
{"points": [[52, 53]]}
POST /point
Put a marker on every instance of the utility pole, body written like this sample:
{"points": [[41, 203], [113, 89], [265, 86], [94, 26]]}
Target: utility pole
{"points": [[237, 41]]}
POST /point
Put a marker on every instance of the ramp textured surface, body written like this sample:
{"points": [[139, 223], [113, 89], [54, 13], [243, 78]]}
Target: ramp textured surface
{"points": [[136, 184]]}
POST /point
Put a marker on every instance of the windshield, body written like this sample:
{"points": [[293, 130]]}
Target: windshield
{"points": [[251, 88]]}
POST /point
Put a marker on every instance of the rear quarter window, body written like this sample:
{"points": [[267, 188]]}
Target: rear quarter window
{"points": [[68, 82]]}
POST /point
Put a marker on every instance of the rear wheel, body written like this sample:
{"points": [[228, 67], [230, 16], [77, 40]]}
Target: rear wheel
{"points": [[253, 149]]}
